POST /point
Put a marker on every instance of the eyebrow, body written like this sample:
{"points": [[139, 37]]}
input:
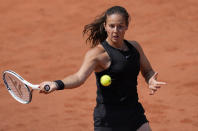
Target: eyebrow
{"points": [[118, 23]]}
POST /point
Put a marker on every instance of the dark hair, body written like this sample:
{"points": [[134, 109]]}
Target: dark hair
{"points": [[96, 31]]}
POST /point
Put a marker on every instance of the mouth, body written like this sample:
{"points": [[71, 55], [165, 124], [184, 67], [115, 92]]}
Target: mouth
{"points": [[115, 37]]}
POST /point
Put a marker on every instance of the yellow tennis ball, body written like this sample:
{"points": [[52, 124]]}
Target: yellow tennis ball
{"points": [[105, 80]]}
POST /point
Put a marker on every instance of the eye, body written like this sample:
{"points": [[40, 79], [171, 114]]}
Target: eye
{"points": [[120, 26], [111, 26]]}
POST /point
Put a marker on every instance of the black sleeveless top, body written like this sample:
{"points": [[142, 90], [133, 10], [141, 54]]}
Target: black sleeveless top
{"points": [[124, 69], [118, 101]]}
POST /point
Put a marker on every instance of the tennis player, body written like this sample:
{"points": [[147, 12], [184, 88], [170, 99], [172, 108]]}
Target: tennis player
{"points": [[117, 107]]}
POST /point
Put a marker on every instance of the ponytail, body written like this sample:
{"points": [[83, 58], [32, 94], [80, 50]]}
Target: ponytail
{"points": [[96, 31]]}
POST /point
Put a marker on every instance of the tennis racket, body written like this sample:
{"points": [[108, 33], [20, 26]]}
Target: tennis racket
{"points": [[19, 88]]}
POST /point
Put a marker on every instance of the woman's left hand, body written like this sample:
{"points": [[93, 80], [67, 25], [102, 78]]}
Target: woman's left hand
{"points": [[154, 85]]}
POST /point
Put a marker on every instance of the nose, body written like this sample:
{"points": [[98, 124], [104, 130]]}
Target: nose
{"points": [[115, 29]]}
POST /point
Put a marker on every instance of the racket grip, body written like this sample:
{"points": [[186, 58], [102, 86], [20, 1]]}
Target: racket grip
{"points": [[46, 87]]}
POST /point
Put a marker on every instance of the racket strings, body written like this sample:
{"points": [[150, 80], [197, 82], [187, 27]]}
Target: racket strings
{"points": [[18, 89]]}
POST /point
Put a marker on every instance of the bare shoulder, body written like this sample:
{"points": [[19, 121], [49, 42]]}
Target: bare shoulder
{"points": [[95, 52], [99, 56], [136, 45]]}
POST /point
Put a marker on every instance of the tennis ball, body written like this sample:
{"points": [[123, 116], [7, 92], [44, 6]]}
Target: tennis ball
{"points": [[105, 80]]}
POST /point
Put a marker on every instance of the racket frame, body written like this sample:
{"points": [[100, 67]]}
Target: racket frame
{"points": [[26, 83]]}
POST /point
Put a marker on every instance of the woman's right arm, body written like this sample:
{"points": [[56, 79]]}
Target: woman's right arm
{"points": [[75, 80]]}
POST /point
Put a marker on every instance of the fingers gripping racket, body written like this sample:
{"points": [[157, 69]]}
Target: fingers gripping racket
{"points": [[20, 88]]}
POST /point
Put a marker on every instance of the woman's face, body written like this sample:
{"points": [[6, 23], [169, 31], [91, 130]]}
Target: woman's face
{"points": [[115, 27]]}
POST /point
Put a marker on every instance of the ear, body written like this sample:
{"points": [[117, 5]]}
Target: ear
{"points": [[104, 24]]}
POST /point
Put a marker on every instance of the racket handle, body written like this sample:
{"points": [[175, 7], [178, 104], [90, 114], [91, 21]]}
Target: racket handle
{"points": [[46, 87]]}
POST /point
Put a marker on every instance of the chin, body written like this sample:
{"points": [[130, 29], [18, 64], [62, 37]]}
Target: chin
{"points": [[115, 40]]}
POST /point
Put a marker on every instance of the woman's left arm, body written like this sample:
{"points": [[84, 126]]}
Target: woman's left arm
{"points": [[147, 71]]}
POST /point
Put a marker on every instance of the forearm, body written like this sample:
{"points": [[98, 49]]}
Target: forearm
{"points": [[148, 74], [72, 81]]}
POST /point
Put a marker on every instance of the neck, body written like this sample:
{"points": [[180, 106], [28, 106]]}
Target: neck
{"points": [[119, 45]]}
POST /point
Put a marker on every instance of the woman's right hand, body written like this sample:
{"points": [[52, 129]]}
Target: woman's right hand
{"points": [[52, 85]]}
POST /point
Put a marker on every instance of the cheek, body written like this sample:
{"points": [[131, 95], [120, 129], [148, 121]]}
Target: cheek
{"points": [[123, 32], [109, 31]]}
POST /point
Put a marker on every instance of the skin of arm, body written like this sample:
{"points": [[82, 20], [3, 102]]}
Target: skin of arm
{"points": [[88, 66], [147, 72], [90, 63], [145, 66]]}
